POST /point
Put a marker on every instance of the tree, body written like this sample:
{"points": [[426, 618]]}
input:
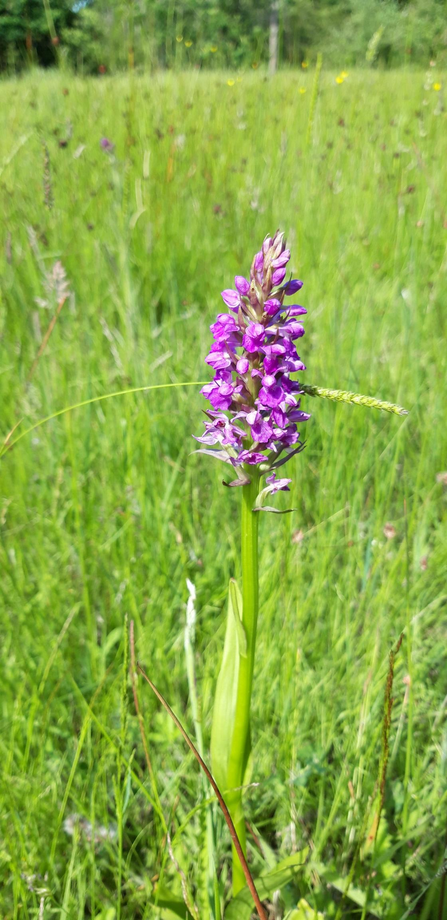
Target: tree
{"points": [[25, 29]]}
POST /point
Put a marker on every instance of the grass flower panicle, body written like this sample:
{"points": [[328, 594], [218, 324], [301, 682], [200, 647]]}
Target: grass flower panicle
{"points": [[255, 402]]}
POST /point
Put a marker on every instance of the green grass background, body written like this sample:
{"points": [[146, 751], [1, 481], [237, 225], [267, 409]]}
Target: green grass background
{"points": [[105, 512]]}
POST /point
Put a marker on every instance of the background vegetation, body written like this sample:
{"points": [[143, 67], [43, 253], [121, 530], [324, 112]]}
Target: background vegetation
{"points": [[104, 512], [94, 34]]}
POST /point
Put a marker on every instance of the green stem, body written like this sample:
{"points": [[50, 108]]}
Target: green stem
{"points": [[240, 748]]}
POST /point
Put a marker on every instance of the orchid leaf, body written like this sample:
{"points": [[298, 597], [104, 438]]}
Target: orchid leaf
{"points": [[241, 907], [304, 911], [236, 606], [224, 711]]}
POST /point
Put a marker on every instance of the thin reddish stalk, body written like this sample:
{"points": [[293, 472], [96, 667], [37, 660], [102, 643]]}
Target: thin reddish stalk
{"points": [[186, 896], [221, 800]]}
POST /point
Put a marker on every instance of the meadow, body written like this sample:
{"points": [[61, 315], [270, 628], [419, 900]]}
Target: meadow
{"points": [[105, 512]]}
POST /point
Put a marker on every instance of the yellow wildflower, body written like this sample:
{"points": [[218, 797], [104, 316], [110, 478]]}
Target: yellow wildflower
{"points": [[179, 38], [302, 90], [213, 49], [437, 86], [339, 79], [304, 64], [230, 82], [188, 43], [344, 74]]}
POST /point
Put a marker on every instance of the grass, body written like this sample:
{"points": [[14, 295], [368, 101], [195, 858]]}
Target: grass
{"points": [[104, 512]]}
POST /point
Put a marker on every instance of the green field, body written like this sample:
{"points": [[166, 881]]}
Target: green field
{"points": [[105, 512]]}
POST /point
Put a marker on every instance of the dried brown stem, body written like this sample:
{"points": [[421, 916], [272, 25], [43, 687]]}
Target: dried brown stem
{"points": [[10, 434], [46, 337], [186, 894]]}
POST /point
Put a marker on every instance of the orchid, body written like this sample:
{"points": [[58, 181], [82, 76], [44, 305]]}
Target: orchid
{"points": [[253, 425], [253, 356]]}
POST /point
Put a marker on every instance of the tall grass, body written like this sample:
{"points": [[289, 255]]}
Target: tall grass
{"points": [[104, 512]]}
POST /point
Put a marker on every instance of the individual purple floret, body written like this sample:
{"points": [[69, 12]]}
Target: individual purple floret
{"points": [[255, 402], [107, 145]]}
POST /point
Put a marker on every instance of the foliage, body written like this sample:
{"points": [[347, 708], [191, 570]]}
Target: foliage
{"points": [[215, 33], [86, 41], [25, 32], [104, 511], [413, 32]]}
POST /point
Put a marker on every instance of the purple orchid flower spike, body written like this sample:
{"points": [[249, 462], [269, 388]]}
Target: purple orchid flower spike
{"points": [[256, 404], [252, 426]]}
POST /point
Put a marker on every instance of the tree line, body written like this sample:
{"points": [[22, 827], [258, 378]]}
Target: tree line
{"points": [[94, 36]]}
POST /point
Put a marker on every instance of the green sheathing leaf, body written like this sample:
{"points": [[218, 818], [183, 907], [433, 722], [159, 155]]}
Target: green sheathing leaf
{"points": [[241, 907], [222, 729]]}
